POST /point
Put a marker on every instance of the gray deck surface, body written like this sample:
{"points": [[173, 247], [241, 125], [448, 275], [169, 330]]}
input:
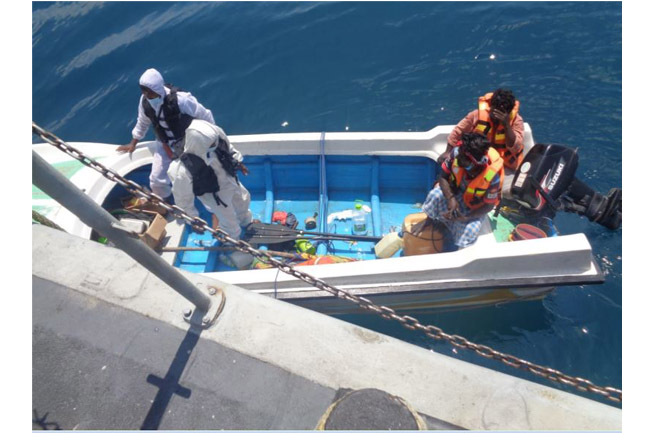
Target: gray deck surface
{"points": [[98, 366]]}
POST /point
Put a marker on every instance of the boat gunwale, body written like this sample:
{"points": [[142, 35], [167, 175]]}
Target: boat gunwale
{"points": [[519, 283]]}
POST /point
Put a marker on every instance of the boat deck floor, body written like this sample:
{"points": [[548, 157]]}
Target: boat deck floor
{"points": [[391, 187]]}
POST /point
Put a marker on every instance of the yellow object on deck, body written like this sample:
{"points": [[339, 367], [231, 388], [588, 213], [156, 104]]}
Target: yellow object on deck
{"points": [[421, 236]]}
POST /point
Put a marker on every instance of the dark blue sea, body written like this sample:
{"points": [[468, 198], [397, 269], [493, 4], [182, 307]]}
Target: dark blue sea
{"points": [[373, 67]]}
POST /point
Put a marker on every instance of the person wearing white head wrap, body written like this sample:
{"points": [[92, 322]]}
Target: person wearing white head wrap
{"points": [[152, 80], [232, 206], [156, 100]]}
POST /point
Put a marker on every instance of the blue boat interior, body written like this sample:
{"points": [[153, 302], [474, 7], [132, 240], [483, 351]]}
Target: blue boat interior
{"points": [[391, 187]]}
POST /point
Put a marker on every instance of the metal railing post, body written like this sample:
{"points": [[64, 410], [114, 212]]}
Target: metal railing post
{"points": [[57, 186]]}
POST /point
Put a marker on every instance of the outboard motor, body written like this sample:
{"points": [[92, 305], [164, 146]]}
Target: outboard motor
{"points": [[545, 183]]}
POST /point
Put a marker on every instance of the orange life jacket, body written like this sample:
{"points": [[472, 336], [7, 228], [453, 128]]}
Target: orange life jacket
{"points": [[497, 136], [478, 186]]}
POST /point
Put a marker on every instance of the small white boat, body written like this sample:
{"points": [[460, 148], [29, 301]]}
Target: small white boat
{"points": [[388, 173]]}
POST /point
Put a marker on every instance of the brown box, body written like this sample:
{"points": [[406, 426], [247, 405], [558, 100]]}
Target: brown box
{"points": [[420, 236], [155, 233]]}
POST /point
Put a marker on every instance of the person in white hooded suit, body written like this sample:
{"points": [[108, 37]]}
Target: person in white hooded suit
{"points": [[231, 200], [170, 111]]}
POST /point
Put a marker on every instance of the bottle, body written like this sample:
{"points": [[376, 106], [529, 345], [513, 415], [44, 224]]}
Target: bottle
{"points": [[389, 245], [359, 220]]}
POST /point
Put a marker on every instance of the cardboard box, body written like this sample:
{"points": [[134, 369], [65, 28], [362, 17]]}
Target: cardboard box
{"points": [[156, 232], [420, 236]]}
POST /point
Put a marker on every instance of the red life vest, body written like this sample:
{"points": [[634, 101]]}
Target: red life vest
{"points": [[497, 135], [478, 186]]}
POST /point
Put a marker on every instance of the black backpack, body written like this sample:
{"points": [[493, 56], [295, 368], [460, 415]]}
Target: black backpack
{"points": [[204, 180]]}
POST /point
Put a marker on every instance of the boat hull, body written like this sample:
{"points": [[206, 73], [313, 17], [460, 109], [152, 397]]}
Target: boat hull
{"points": [[489, 272], [422, 302]]}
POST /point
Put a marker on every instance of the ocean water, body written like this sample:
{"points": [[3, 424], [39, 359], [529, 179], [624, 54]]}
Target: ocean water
{"points": [[290, 67]]}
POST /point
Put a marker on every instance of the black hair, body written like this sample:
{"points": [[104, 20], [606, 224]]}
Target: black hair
{"points": [[503, 99], [475, 144]]}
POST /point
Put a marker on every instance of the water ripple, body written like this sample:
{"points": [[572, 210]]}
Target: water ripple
{"points": [[143, 28], [88, 103], [295, 10], [61, 14]]}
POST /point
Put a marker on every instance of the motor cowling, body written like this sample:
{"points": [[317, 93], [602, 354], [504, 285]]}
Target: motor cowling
{"points": [[545, 183], [545, 174]]}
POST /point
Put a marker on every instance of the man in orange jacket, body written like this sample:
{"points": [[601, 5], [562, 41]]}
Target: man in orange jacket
{"points": [[469, 186], [497, 118]]}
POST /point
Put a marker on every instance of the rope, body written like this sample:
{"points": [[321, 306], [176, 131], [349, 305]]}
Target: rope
{"points": [[328, 412], [275, 284], [41, 219]]}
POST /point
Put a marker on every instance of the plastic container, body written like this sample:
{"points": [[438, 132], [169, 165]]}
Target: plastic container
{"points": [[389, 245], [523, 232], [421, 238], [135, 225], [359, 226]]}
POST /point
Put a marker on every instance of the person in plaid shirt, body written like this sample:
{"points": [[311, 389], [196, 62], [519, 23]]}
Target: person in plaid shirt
{"points": [[469, 186]]}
